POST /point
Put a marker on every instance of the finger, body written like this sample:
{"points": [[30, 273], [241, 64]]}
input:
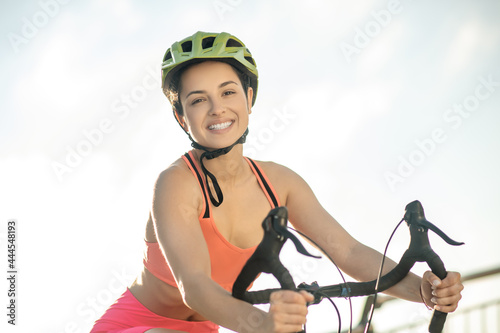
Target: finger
{"points": [[431, 279], [287, 328], [307, 296], [289, 319], [446, 304], [453, 290], [285, 322], [280, 296], [446, 308], [279, 308], [451, 279], [288, 296]]}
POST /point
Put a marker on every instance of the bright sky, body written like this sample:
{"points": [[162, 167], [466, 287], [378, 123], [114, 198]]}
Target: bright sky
{"points": [[375, 104]]}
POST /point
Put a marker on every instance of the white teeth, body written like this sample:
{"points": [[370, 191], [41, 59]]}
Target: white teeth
{"points": [[220, 126]]}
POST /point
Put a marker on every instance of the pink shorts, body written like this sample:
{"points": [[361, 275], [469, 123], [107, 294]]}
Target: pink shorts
{"points": [[128, 315]]}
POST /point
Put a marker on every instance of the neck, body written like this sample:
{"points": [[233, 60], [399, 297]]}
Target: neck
{"points": [[227, 167]]}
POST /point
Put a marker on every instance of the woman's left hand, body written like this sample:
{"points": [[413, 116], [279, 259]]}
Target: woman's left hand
{"points": [[442, 295]]}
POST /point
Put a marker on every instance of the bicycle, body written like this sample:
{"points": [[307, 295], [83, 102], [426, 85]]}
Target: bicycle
{"points": [[266, 259]]}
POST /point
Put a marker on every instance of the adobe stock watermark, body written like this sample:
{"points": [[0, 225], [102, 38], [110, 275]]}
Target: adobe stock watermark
{"points": [[302, 271], [277, 124], [120, 109], [363, 36], [32, 26], [454, 117], [254, 320], [224, 6], [93, 306]]}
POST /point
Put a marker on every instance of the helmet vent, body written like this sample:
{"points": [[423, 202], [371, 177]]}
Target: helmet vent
{"points": [[233, 43], [207, 42], [187, 46], [168, 56], [250, 60]]}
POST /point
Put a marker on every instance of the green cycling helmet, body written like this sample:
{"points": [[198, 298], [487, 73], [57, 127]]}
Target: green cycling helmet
{"points": [[209, 46]]}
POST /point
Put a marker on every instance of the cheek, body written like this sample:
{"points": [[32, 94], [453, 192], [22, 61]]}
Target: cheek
{"points": [[190, 123], [241, 103]]}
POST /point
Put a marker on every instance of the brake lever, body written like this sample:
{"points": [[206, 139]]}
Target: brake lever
{"points": [[415, 215], [266, 256], [418, 225], [440, 233], [284, 232]]}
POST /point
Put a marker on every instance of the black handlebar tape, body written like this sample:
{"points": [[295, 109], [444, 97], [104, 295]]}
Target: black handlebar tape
{"points": [[349, 289], [390, 279], [438, 318], [283, 276], [259, 297], [266, 256], [250, 272]]}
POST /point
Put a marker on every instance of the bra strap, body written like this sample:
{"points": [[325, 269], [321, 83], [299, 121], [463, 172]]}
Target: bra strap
{"points": [[267, 186], [200, 180]]}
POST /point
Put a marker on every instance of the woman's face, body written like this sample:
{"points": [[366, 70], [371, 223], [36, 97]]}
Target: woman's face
{"points": [[215, 105]]}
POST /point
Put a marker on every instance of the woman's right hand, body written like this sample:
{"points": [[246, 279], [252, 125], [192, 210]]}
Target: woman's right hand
{"points": [[288, 310]]}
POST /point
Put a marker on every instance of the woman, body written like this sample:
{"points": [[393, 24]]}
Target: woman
{"points": [[208, 207]]}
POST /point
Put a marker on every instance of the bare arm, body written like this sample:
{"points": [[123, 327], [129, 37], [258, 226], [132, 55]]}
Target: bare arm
{"points": [[357, 260], [176, 206], [175, 213]]}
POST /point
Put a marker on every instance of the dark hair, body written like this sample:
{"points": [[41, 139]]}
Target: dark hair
{"points": [[174, 88]]}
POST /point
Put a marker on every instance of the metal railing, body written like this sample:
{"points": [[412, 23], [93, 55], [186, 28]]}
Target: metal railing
{"points": [[482, 317]]}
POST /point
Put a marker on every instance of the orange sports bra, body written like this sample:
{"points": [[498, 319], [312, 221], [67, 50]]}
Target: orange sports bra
{"points": [[226, 259]]}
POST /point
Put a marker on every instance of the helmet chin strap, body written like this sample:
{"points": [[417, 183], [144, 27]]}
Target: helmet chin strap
{"points": [[211, 154]]}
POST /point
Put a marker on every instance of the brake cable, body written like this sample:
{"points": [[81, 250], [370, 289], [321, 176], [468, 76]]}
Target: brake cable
{"points": [[266, 259], [372, 308], [341, 275]]}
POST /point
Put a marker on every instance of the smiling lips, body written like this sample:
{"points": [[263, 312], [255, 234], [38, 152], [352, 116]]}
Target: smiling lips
{"points": [[220, 126]]}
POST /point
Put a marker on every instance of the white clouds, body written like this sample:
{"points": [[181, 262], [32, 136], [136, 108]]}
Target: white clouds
{"points": [[374, 61], [125, 13], [342, 111], [471, 39]]}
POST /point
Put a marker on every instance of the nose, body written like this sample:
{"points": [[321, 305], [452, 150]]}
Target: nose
{"points": [[217, 108]]}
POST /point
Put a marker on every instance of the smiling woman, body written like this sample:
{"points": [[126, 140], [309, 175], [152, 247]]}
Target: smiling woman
{"points": [[197, 243], [215, 117]]}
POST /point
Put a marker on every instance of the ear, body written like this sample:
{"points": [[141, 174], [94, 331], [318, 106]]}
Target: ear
{"points": [[180, 119], [249, 99]]}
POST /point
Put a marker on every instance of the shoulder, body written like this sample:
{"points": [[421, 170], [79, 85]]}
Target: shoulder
{"points": [[283, 179], [176, 178], [177, 198], [276, 171]]}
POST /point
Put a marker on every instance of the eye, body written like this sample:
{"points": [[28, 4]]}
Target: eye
{"points": [[229, 92], [196, 101]]}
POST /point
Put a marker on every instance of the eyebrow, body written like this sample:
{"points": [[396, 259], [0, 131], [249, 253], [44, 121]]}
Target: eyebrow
{"points": [[222, 85]]}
